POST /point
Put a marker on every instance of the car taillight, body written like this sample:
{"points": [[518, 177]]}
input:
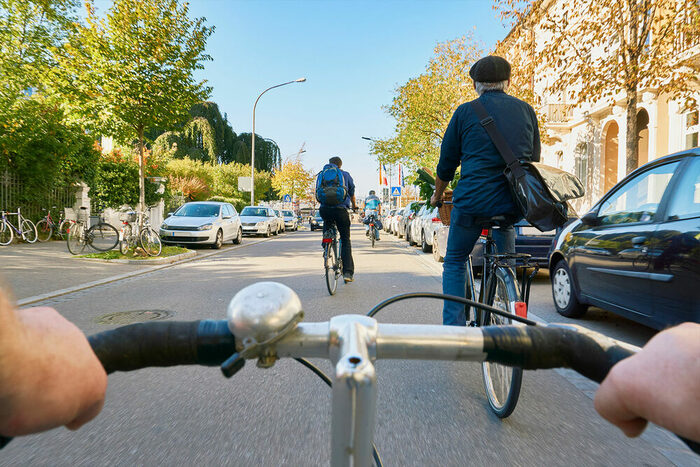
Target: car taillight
{"points": [[436, 219]]}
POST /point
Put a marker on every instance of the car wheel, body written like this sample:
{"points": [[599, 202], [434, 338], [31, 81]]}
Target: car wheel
{"points": [[424, 245], [238, 238], [436, 251], [277, 230], [219, 240], [269, 232], [563, 293]]}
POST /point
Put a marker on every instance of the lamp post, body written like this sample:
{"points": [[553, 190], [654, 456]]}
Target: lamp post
{"points": [[252, 144]]}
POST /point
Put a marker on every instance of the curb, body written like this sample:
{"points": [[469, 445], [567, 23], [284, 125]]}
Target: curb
{"points": [[156, 261]]}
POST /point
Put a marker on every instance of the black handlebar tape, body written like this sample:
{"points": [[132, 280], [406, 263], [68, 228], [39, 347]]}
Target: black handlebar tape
{"points": [[165, 343], [533, 348]]}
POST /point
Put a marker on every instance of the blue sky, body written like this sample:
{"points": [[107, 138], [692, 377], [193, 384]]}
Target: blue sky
{"points": [[353, 54]]}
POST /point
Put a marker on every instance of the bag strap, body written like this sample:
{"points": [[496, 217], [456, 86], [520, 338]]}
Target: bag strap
{"points": [[504, 149]]}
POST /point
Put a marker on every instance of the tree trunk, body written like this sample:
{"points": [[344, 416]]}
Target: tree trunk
{"points": [[631, 140], [142, 180]]}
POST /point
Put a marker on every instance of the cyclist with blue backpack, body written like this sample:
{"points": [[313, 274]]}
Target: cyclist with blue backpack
{"points": [[335, 190]]}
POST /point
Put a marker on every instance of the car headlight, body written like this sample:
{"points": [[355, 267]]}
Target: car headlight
{"points": [[164, 226], [205, 227], [260, 224]]}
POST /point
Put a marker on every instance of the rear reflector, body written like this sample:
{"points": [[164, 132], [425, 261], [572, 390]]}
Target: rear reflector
{"points": [[436, 219], [521, 309], [484, 232], [327, 240]]}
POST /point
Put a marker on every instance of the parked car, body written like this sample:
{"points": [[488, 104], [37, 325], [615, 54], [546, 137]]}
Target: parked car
{"points": [[430, 222], [205, 222], [291, 221], [414, 225], [316, 221], [280, 220], [405, 217], [387, 218], [259, 220], [637, 251]]}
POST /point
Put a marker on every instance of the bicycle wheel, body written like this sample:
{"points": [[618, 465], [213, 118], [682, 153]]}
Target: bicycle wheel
{"points": [[102, 237], [502, 383], [6, 233], [28, 231], [64, 228], [373, 235], [150, 241], [44, 230], [330, 263], [76, 239]]}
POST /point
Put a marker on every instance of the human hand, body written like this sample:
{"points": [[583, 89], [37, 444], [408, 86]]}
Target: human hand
{"points": [[434, 200], [660, 384], [49, 375]]}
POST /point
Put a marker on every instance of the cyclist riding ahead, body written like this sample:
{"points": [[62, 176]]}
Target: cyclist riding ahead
{"points": [[373, 207], [335, 190], [482, 191]]}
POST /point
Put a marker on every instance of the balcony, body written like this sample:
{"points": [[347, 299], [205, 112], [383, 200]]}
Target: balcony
{"points": [[559, 113]]}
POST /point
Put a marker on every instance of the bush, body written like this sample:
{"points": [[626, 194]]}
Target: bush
{"points": [[116, 183], [238, 203]]}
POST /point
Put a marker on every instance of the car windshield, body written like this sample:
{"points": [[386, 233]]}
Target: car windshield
{"points": [[198, 210], [261, 212], [317, 214], [288, 213]]}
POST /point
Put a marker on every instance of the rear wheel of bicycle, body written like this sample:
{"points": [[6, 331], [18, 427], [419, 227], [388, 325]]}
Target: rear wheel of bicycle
{"points": [[6, 234], [44, 230], [330, 261], [502, 383], [372, 234], [28, 231], [64, 227], [76, 240], [102, 236], [150, 241]]}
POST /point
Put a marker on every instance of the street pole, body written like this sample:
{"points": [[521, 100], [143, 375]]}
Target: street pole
{"points": [[252, 144]]}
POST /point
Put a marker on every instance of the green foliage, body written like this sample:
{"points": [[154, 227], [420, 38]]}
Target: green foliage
{"points": [[116, 183], [238, 203], [115, 254]]}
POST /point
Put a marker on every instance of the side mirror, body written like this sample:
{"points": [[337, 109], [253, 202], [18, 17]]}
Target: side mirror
{"points": [[228, 217], [169, 214], [590, 218]]}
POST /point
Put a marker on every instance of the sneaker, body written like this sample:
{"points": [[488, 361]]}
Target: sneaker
{"points": [[347, 277]]}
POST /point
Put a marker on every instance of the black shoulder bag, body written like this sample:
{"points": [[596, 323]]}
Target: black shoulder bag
{"points": [[540, 191]]}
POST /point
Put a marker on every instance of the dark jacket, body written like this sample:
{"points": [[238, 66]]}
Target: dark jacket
{"points": [[482, 189]]}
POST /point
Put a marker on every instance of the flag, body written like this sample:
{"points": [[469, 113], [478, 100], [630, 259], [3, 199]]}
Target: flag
{"points": [[382, 175], [401, 175]]}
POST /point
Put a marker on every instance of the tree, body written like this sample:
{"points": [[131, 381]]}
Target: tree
{"points": [[424, 105], [603, 49], [133, 70], [292, 179]]}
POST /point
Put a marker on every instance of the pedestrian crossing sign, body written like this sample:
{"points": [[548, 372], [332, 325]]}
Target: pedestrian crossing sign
{"points": [[396, 191]]}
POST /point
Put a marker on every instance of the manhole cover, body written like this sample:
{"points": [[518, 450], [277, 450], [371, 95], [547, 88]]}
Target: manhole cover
{"points": [[136, 316]]}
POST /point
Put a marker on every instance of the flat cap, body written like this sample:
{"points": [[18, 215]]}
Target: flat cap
{"points": [[490, 69]]}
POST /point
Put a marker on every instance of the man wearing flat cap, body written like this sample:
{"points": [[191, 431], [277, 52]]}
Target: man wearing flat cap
{"points": [[482, 190]]}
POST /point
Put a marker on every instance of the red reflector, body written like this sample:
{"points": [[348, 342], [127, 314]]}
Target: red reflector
{"points": [[521, 309], [327, 240], [484, 232], [436, 219]]}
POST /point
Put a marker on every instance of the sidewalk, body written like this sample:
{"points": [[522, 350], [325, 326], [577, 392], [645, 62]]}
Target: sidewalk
{"points": [[39, 268]]}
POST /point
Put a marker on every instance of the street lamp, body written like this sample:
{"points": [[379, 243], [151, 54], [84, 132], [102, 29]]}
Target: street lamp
{"points": [[252, 150]]}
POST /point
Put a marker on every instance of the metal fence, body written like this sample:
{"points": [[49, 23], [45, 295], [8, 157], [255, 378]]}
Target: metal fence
{"points": [[13, 196]]}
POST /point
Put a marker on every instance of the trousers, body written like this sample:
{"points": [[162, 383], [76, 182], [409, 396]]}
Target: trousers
{"points": [[339, 217]]}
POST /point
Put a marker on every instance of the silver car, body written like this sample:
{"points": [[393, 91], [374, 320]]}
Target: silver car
{"points": [[205, 222], [259, 220], [291, 221], [280, 220], [429, 226]]}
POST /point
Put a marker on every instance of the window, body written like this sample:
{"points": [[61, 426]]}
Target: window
{"points": [[692, 128], [686, 200], [639, 198]]}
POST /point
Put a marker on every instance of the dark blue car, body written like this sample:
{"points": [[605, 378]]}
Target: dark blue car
{"points": [[637, 251]]}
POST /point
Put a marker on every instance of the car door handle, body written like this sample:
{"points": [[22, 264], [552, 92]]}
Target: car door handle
{"points": [[636, 241]]}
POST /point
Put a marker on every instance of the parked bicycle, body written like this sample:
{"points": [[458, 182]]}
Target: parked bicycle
{"points": [[147, 237], [25, 229], [47, 227], [332, 261], [101, 236]]}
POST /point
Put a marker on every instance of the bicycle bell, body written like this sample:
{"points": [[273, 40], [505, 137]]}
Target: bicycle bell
{"points": [[258, 316]]}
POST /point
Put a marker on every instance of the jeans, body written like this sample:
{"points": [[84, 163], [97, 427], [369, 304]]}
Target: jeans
{"points": [[460, 242], [340, 217]]}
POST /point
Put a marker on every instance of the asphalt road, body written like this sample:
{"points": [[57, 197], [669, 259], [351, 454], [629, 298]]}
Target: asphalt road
{"points": [[429, 413]]}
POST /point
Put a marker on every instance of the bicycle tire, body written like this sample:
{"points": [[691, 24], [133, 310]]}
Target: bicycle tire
{"points": [[44, 230], [6, 234], [372, 234], [330, 262], [64, 228], [102, 237], [28, 229], [76, 240], [501, 383], [150, 241]]}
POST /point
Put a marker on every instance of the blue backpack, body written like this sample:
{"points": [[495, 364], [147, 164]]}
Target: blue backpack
{"points": [[330, 186]]}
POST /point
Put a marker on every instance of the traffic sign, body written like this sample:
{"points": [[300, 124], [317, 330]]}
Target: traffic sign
{"points": [[287, 199], [245, 183], [396, 191]]}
